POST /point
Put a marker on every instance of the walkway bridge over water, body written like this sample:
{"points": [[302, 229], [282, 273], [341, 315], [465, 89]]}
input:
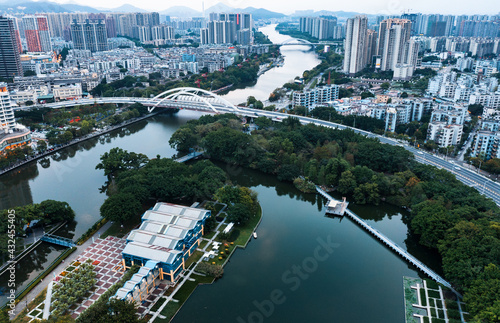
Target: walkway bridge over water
{"points": [[60, 241], [392, 245]]}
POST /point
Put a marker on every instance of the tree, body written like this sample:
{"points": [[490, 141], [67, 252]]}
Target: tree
{"points": [[263, 122], [385, 85], [184, 139], [404, 95], [483, 296], [41, 146], [251, 100], [120, 207], [117, 160], [122, 311], [347, 183], [55, 211], [476, 109], [215, 271], [238, 213], [29, 73], [367, 94], [431, 221]]}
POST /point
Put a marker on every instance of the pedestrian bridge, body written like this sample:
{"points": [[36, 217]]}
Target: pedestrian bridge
{"points": [[60, 241], [392, 245]]}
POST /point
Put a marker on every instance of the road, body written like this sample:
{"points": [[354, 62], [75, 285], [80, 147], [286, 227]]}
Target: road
{"points": [[467, 176], [483, 184]]}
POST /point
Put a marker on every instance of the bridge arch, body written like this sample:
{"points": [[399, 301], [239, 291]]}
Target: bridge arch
{"points": [[193, 95], [296, 41]]}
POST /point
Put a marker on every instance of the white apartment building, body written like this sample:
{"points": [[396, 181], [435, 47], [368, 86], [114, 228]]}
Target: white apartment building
{"points": [[30, 94], [7, 120], [486, 144], [445, 134], [313, 97], [65, 92]]}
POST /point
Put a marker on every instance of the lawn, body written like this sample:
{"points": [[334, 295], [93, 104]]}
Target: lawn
{"points": [[195, 256], [203, 243], [116, 230], [22, 316], [209, 235], [169, 311]]}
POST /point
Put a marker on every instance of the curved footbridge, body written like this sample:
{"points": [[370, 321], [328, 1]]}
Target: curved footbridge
{"points": [[391, 244]]}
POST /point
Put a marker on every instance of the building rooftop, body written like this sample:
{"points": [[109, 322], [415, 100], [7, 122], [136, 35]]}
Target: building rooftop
{"points": [[156, 253]]}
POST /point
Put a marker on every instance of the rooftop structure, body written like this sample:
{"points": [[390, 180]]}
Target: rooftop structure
{"points": [[168, 235]]}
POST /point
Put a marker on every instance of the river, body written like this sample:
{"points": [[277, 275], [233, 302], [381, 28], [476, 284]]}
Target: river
{"points": [[297, 60], [356, 280]]}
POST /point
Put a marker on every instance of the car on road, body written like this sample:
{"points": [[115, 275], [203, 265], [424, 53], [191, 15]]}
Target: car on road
{"points": [[420, 153], [457, 168]]}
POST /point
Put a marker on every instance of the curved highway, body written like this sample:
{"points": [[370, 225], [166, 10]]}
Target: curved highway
{"points": [[483, 184]]}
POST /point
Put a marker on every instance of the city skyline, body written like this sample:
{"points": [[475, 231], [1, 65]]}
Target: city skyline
{"points": [[392, 7]]}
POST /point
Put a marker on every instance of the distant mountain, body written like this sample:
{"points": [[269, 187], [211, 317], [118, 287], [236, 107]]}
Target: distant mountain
{"points": [[127, 8], [257, 13], [260, 13], [29, 7], [181, 12], [219, 7], [71, 7]]}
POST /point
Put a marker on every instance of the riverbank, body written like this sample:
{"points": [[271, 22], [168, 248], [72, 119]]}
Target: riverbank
{"points": [[77, 141]]}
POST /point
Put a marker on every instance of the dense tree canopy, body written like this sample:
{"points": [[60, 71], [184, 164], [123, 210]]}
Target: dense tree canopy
{"points": [[117, 160], [446, 214]]}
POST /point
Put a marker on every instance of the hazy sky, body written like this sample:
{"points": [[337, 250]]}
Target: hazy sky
{"points": [[382, 7]]}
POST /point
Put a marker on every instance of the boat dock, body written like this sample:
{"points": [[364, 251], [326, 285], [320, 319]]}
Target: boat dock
{"points": [[334, 207], [392, 245]]}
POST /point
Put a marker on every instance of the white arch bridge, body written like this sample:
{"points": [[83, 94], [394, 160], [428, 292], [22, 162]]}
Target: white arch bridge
{"points": [[303, 42], [189, 98]]}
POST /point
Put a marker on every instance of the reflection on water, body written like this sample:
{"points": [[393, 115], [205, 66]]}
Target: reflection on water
{"points": [[69, 175], [360, 272]]}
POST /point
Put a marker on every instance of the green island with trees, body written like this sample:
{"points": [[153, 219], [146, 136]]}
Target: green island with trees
{"points": [[448, 216]]}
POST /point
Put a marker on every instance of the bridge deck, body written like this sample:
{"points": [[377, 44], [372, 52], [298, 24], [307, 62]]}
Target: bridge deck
{"points": [[392, 245], [189, 156], [61, 241]]}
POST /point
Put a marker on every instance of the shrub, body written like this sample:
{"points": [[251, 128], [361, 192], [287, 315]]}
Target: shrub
{"points": [[215, 271]]}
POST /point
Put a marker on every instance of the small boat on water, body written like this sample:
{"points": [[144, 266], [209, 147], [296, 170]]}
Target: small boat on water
{"points": [[255, 235]]}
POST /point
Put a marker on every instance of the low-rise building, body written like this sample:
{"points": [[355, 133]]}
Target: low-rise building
{"points": [[485, 144], [67, 92], [445, 134], [167, 236]]}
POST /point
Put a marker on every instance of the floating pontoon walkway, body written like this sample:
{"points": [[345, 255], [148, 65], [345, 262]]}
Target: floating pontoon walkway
{"points": [[388, 242]]}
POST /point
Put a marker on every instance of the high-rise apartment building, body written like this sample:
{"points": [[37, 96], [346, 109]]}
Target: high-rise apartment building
{"points": [[10, 62], [394, 35], [227, 28], [36, 31], [89, 35], [356, 45], [323, 27]]}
